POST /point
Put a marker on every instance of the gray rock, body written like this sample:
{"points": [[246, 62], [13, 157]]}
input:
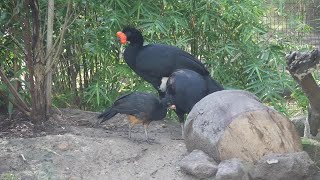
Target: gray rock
{"points": [[235, 124], [315, 176], [291, 166], [199, 164], [233, 169], [312, 147], [208, 118], [299, 124]]}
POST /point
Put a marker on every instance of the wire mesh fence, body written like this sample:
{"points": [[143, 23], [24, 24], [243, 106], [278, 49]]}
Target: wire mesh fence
{"points": [[299, 20]]}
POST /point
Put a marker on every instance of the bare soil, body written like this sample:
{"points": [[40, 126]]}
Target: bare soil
{"points": [[68, 146]]}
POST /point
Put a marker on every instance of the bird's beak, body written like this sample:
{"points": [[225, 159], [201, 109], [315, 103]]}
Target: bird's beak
{"points": [[122, 37]]}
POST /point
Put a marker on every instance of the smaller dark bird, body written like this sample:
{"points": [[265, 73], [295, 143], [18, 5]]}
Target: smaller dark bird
{"points": [[185, 88], [141, 108]]}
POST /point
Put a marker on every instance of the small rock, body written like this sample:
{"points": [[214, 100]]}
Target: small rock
{"points": [[73, 178], [3, 142], [233, 169], [43, 133], [299, 124], [63, 146], [291, 166], [199, 164]]}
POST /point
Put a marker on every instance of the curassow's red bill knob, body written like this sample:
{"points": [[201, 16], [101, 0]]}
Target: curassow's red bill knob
{"points": [[122, 37]]}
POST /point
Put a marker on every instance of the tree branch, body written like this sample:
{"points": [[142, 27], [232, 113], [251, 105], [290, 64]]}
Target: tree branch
{"points": [[302, 64], [17, 43], [20, 101], [15, 104], [28, 50], [58, 44]]}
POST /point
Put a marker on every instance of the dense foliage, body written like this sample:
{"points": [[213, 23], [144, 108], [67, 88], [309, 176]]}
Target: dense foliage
{"points": [[229, 36]]}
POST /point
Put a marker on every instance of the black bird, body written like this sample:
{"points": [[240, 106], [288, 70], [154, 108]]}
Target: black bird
{"points": [[141, 108], [156, 62], [184, 89]]}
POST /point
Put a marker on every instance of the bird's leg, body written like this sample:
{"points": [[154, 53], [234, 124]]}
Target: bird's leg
{"points": [[181, 120], [146, 131], [130, 127], [182, 129]]}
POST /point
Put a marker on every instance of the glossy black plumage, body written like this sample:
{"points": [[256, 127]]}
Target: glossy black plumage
{"points": [[185, 88], [155, 61], [140, 108]]}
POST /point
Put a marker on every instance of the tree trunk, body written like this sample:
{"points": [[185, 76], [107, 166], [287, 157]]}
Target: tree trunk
{"points": [[36, 64], [39, 110], [300, 66], [85, 72], [193, 24], [36, 61], [72, 73], [49, 55]]}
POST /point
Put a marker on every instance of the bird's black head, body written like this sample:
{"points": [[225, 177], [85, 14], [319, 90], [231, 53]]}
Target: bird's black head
{"points": [[166, 101], [133, 35]]}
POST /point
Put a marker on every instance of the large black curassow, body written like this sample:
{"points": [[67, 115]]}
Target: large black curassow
{"points": [[184, 89], [156, 62], [141, 108]]}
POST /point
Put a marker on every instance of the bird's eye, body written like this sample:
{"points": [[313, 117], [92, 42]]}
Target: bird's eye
{"points": [[128, 34]]}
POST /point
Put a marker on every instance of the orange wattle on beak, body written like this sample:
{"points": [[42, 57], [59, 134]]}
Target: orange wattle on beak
{"points": [[122, 37]]}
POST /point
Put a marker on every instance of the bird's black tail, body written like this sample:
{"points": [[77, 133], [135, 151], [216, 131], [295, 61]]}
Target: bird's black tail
{"points": [[106, 115], [212, 85]]}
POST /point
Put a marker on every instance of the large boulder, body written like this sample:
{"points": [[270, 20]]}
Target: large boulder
{"points": [[235, 124]]}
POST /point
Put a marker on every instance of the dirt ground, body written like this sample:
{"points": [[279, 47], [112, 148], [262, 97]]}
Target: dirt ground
{"points": [[68, 146]]}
